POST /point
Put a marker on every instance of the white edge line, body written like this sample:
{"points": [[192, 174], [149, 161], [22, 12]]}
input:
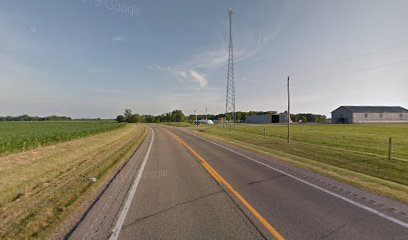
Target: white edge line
{"points": [[376, 212], [132, 191]]}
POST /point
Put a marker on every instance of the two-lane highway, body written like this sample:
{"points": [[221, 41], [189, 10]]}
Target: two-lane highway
{"points": [[177, 194], [296, 209], [174, 199]]}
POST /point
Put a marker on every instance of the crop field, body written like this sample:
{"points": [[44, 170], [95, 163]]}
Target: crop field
{"points": [[22, 136], [360, 149], [41, 188]]}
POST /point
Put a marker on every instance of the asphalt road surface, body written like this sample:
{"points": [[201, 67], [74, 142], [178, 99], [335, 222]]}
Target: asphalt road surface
{"points": [[181, 186]]}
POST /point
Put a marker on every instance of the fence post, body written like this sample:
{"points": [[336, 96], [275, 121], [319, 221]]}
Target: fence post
{"points": [[389, 148]]}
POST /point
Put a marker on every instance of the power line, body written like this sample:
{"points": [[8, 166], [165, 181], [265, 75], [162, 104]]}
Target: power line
{"points": [[346, 59], [371, 68], [360, 70]]}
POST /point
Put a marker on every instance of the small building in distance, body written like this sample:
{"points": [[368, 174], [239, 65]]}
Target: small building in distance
{"points": [[204, 121], [221, 120], [369, 114], [267, 118]]}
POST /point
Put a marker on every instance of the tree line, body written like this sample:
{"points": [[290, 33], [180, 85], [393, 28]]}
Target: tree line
{"points": [[130, 117], [308, 117], [26, 117], [178, 116]]}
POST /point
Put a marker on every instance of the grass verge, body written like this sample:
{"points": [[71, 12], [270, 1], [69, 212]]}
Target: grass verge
{"points": [[177, 124], [369, 172], [42, 187]]}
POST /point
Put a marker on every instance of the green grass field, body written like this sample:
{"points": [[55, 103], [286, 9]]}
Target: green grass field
{"points": [[371, 138], [22, 136], [361, 149]]}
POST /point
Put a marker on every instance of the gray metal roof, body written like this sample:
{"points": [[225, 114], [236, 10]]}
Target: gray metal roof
{"points": [[374, 109]]}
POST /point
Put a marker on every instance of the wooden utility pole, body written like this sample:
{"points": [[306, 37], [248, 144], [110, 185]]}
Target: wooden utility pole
{"points": [[288, 111], [389, 148], [196, 122]]}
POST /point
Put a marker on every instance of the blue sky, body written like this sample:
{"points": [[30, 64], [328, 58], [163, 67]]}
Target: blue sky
{"points": [[87, 58]]}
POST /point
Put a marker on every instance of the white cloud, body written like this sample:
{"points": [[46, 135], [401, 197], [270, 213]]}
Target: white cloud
{"points": [[183, 75], [118, 39], [199, 78], [216, 59], [209, 60], [204, 63]]}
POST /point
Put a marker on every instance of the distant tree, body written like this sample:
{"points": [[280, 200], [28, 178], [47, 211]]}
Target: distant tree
{"points": [[177, 116], [168, 117], [134, 118], [191, 118], [121, 118], [128, 114], [26, 117], [308, 117], [150, 118], [56, 118], [302, 119], [240, 116]]}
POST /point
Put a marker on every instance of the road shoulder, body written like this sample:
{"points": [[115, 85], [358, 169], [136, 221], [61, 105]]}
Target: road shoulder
{"points": [[115, 188], [377, 202]]}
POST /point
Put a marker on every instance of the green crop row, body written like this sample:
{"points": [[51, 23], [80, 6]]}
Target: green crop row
{"points": [[22, 136]]}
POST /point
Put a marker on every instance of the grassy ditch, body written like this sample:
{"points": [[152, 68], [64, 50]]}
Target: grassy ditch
{"points": [[40, 188], [356, 154]]}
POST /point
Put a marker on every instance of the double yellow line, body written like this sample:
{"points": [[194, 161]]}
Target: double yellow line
{"points": [[222, 181]]}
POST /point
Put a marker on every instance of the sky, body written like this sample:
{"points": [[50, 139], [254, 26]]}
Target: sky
{"points": [[95, 58]]}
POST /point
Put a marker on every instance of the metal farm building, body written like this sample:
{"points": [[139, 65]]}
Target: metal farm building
{"points": [[267, 118], [369, 114]]}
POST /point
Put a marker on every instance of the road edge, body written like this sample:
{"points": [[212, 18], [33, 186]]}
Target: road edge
{"points": [[342, 175], [70, 224], [395, 210], [131, 193]]}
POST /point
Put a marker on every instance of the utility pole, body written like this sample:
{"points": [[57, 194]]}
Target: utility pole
{"points": [[288, 111], [389, 148], [196, 122], [206, 113]]}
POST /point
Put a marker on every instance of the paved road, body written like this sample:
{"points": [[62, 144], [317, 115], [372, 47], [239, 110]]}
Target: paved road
{"points": [[164, 192]]}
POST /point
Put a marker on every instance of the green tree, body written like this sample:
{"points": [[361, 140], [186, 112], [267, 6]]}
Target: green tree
{"points": [[177, 116], [121, 118], [134, 118], [149, 119], [128, 114], [302, 119]]}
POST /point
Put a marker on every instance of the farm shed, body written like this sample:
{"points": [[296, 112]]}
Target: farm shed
{"points": [[267, 118], [369, 114]]}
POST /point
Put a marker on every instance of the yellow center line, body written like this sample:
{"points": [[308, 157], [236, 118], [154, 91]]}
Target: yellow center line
{"points": [[222, 181]]}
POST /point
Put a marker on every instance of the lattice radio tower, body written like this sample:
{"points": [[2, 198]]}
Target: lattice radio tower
{"points": [[230, 98]]}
